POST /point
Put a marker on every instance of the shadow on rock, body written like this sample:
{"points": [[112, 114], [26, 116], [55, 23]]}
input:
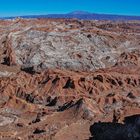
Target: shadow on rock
{"points": [[130, 130]]}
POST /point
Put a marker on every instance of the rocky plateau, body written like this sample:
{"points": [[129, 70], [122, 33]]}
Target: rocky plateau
{"points": [[69, 79]]}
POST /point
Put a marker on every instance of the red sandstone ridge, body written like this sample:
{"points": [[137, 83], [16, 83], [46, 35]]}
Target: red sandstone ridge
{"points": [[59, 77]]}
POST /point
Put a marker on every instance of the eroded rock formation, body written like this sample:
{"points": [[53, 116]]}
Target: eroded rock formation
{"points": [[59, 77]]}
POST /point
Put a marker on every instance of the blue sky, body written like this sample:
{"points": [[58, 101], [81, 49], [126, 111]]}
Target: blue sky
{"points": [[37, 7]]}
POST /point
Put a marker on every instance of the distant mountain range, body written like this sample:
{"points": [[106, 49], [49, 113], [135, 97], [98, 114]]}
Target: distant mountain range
{"points": [[82, 15]]}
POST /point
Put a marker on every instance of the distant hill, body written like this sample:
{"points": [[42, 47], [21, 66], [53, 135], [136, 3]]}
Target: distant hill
{"points": [[83, 15], [79, 13]]}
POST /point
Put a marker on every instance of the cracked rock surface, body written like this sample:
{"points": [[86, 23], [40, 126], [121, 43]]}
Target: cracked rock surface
{"points": [[60, 79]]}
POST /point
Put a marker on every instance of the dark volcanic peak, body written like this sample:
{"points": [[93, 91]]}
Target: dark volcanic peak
{"points": [[83, 15], [79, 13]]}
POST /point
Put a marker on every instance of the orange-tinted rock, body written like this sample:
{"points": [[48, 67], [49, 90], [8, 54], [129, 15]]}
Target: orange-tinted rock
{"points": [[58, 77]]}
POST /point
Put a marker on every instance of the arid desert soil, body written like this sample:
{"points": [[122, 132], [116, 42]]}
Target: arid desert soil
{"points": [[63, 79]]}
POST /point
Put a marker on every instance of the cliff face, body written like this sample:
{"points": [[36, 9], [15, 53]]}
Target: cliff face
{"points": [[58, 77]]}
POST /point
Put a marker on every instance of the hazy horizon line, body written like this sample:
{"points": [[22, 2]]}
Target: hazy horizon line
{"points": [[60, 13]]}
